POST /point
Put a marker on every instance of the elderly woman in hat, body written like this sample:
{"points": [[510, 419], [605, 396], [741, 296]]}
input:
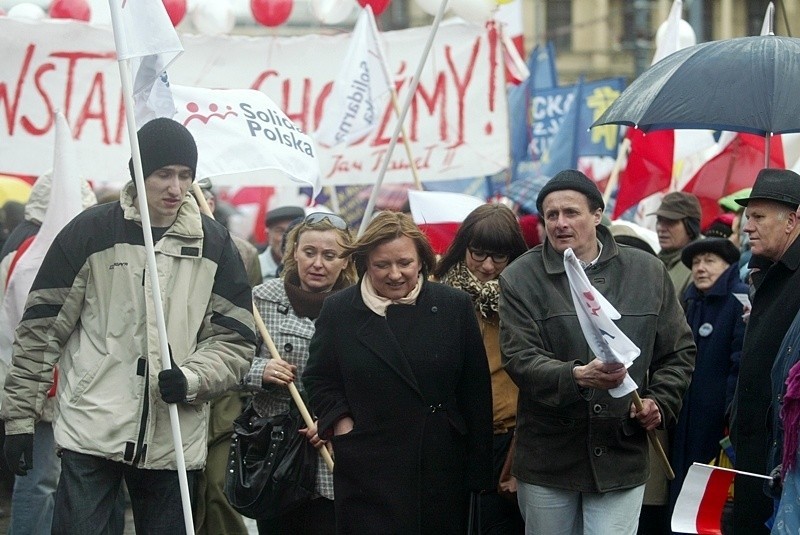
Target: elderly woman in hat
{"points": [[715, 316]]}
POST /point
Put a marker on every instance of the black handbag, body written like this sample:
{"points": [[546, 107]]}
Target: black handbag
{"points": [[272, 468]]}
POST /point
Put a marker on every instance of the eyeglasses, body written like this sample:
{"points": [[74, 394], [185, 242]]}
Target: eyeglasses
{"points": [[480, 256], [319, 217]]}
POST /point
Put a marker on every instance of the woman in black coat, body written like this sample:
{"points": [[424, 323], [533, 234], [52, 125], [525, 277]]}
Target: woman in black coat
{"points": [[398, 376], [715, 316]]}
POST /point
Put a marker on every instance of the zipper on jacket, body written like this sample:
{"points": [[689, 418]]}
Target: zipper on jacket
{"points": [[143, 424]]}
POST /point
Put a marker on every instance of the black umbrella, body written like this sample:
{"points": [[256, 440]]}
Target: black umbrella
{"points": [[747, 84]]}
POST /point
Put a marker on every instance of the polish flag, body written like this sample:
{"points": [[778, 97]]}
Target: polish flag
{"points": [[439, 214], [702, 497]]}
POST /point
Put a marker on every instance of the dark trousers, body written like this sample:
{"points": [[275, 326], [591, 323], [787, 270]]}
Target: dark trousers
{"points": [[316, 517], [500, 515], [89, 487]]}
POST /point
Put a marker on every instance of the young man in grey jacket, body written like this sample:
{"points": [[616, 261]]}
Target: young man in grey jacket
{"points": [[91, 310]]}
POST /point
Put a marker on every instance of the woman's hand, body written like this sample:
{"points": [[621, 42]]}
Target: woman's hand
{"points": [[312, 436], [278, 372], [343, 426]]}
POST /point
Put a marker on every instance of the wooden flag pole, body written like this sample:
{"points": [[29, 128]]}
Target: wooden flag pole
{"points": [[651, 434], [262, 329]]}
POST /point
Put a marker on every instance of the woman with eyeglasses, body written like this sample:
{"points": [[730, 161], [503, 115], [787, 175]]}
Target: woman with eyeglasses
{"points": [[314, 268], [487, 241], [398, 376]]}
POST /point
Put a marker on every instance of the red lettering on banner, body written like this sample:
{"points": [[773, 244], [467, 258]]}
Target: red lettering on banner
{"points": [[439, 93], [120, 121], [381, 137], [100, 113], [72, 61], [461, 85], [37, 80], [11, 109]]}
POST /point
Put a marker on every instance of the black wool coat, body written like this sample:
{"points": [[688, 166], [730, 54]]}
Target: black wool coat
{"points": [[421, 407], [776, 302]]}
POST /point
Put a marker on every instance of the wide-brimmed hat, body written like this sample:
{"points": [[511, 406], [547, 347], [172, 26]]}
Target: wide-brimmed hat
{"points": [[779, 185], [678, 205], [721, 247]]}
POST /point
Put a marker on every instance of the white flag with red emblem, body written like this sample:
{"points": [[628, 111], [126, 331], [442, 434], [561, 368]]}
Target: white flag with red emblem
{"points": [[243, 137], [596, 315]]}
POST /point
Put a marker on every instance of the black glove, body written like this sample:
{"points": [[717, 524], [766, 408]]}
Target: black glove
{"points": [[775, 485], [18, 450], [172, 384]]}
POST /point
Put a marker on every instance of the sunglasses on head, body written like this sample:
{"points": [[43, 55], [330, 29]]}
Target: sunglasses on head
{"points": [[319, 217]]}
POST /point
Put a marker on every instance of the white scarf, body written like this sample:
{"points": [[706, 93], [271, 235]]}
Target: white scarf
{"points": [[378, 303]]}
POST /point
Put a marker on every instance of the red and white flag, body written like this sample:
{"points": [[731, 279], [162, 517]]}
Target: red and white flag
{"points": [[243, 137], [596, 316], [144, 35], [702, 497], [439, 214], [361, 90], [65, 203]]}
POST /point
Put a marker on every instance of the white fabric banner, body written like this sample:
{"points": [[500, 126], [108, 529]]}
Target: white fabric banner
{"points": [[245, 138], [457, 124], [595, 314], [361, 89]]}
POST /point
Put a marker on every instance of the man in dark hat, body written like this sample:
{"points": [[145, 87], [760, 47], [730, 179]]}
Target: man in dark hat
{"points": [[581, 454], [678, 225], [773, 227], [91, 310], [278, 220]]}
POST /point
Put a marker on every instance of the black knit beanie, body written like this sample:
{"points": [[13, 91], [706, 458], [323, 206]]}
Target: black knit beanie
{"points": [[574, 180], [164, 142]]}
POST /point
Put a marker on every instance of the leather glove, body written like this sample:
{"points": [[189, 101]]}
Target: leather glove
{"points": [[775, 485], [172, 384], [18, 450]]}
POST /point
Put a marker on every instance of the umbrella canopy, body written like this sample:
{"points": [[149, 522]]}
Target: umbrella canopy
{"points": [[747, 84], [525, 190]]}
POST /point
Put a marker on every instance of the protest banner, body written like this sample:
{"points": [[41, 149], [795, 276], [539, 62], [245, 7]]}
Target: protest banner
{"points": [[70, 65]]}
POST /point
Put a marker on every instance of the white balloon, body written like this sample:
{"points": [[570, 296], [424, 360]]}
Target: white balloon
{"points": [[26, 10], [431, 7], [332, 11], [686, 36], [213, 17], [475, 11]]}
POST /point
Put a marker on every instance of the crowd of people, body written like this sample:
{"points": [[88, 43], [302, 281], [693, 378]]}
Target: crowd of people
{"points": [[455, 393]]}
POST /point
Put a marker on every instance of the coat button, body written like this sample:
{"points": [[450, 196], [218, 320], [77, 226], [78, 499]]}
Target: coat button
{"points": [[597, 409], [288, 347], [434, 309], [598, 452]]}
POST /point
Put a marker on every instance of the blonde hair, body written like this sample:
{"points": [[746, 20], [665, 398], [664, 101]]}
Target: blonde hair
{"points": [[343, 238]]}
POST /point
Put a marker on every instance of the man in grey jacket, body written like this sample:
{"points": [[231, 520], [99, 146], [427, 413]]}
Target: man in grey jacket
{"points": [[581, 456], [91, 310]]}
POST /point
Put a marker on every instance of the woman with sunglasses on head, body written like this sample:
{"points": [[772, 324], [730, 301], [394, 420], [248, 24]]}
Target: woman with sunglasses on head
{"points": [[398, 376], [314, 268], [487, 241]]}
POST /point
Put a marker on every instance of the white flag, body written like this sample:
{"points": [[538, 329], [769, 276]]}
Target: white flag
{"points": [[595, 314], [362, 89], [242, 136], [65, 203], [145, 36]]}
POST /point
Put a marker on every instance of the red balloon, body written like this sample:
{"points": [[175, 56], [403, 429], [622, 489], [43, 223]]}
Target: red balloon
{"points": [[271, 12], [378, 6], [176, 9], [70, 9]]}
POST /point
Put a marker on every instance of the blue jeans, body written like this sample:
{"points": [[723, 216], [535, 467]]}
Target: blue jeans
{"points": [[89, 488], [566, 512], [34, 494]]}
